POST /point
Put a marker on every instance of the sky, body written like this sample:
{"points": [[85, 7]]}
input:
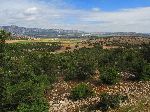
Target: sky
{"points": [[85, 15]]}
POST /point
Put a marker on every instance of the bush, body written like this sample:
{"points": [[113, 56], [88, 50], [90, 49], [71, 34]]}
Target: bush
{"points": [[145, 73], [67, 48], [81, 91], [76, 46], [141, 70], [80, 71], [97, 45], [84, 70], [109, 76], [36, 106], [21, 87], [110, 101]]}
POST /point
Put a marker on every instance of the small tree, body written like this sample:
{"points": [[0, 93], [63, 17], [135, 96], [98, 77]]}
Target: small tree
{"points": [[109, 76], [110, 101], [3, 62], [145, 73], [39, 105], [81, 91], [3, 36], [76, 46], [80, 70]]}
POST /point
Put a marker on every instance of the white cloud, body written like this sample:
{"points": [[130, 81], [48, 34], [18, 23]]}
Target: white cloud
{"points": [[95, 9], [31, 10], [58, 14], [137, 19]]}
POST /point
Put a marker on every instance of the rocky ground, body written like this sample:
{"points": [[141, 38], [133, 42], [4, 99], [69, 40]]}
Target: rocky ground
{"points": [[59, 96]]}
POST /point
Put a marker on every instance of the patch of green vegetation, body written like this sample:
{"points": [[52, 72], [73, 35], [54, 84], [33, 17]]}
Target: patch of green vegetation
{"points": [[109, 76], [141, 106], [79, 70], [81, 91], [110, 101], [27, 70]]}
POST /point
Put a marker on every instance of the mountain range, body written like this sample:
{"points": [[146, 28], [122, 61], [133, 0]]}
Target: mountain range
{"points": [[45, 33], [39, 32]]}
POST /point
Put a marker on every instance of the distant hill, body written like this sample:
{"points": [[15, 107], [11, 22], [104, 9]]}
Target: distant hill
{"points": [[39, 32], [45, 33], [124, 34]]}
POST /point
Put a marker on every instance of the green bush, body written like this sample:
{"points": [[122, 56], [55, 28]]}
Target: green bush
{"points": [[20, 85], [110, 101], [36, 106], [145, 73], [84, 70], [97, 45], [81, 91], [80, 71], [109, 76], [141, 70]]}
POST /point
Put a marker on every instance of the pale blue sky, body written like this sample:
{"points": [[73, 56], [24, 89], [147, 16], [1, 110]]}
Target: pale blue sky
{"points": [[86, 15], [107, 5]]}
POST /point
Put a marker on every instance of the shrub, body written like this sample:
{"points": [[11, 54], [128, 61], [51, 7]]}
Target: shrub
{"points": [[21, 86], [145, 73], [67, 48], [84, 70], [81, 91], [106, 59], [39, 105], [80, 71], [110, 101], [109, 76], [141, 70], [76, 46], [97, 45]]}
